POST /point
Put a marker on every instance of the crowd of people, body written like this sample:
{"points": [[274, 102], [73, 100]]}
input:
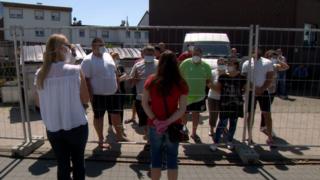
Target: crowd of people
{"points": [[167, 89]]}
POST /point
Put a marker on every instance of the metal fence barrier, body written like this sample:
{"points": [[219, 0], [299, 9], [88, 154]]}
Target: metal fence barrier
{"points": [[295, 119]]}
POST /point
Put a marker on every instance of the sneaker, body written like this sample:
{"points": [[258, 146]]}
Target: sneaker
{"points": [[213, 147], [230, 146]]}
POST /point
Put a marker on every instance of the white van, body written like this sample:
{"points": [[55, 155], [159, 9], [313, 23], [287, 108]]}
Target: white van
{"points": [[213, 46]]}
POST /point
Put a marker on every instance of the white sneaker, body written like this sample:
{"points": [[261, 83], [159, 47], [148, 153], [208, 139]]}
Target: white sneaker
{"points": [[213, 147], [230, 145]]}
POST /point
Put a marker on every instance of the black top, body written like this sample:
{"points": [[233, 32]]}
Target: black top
{"points": [[121, 72], [231, 101]]}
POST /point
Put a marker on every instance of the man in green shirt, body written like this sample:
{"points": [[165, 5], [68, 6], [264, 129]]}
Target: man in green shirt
{"points": [[198, 76]]}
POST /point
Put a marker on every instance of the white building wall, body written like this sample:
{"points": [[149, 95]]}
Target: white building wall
{"points": [[31, 24]]}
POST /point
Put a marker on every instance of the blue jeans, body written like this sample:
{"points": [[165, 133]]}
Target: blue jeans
{"points": [[222, 125], [159, 143], [70, 145]]}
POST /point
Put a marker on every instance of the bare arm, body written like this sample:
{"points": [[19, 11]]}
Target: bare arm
{"points": [[84, 92], [145, 104], [180, 112], [282, 66]]}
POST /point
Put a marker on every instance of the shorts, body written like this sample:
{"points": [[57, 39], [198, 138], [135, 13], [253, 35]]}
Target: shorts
{"points": [[103, 103], [199, 106], [264, 102], [143, 118]]}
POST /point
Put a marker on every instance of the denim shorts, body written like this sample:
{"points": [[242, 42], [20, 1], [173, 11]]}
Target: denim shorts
{"points": [[159, 143]]}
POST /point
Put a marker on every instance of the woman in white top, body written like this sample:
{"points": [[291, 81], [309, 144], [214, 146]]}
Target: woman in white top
{"points": [[62, 91]]}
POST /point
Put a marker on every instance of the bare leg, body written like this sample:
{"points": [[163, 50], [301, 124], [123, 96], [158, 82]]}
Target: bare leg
{"points": [[172, 174], [195, 122], [155, 173], [268, 121], [116, 121]]}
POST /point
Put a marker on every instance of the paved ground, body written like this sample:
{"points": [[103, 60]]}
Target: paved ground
{"points": [[296, 122], [14, 169]]}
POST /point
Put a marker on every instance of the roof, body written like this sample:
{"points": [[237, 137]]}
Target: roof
{"points": [[36, 6], [34, 54], [201, 37], [126, 53], [146, 15]]}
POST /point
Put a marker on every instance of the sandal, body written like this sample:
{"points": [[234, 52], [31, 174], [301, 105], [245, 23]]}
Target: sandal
{"points": [[128, 121], [196, 138], [102, 145]]}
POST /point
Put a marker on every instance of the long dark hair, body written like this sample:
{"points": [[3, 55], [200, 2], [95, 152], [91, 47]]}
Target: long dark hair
{"points": [[168, 74]]}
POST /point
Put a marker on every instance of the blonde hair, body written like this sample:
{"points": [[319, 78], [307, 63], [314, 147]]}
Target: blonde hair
{"points": [[50, 56], [114, 55]]}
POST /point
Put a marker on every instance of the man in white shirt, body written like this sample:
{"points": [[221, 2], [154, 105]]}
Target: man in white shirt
{"points": [[263, 74], [139, 73], [100, 72]]}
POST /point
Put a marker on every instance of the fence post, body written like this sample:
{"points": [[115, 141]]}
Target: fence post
{"points": [[251, 75], [22, 113], [246, 107], [25, 86]]}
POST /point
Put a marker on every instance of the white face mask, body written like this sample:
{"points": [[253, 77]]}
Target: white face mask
{"points": [[196, 59], [102, 50], [149, 59], [222, 67]]}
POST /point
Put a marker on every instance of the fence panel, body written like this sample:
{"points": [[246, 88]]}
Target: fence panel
{"points": [[295, 111]]}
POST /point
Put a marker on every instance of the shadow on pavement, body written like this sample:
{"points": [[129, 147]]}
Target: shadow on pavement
{"points": [[40, 166], [108, 156], [15, 116], [143, 164]]}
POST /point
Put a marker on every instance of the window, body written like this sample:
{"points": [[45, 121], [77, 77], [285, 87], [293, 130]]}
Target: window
{"points": [[39, 33], [137, 35], [93, 34], [310, 38], [82, 33], [55, 16], [16, 13], [105, 34], [39, 15], [128, 34]]}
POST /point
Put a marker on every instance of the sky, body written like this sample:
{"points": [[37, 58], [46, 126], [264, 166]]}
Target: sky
{"points": [[100, 12]]}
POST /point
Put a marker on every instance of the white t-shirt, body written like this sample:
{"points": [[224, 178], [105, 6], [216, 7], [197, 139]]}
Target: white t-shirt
{"points": [[215, 78], [261, 68], [101, 72], [60, 104]]}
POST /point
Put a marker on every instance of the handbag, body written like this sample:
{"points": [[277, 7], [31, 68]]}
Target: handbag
{"points": [[175, 130]]}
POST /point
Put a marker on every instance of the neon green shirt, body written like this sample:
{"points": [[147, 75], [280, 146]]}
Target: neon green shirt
{"points": [[196, 76]]}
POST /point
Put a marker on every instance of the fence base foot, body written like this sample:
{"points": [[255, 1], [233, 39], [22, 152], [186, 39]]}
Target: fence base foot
{"points": [[27, 148], [247, 154]]}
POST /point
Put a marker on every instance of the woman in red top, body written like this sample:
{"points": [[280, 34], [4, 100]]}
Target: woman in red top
{"points": [[164, 101]]}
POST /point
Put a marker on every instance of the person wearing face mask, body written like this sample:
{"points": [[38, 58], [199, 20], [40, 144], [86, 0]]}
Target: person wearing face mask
{"points": [[61, 91], [214, 95], [187, 54], [231, 86], [262, 78], [279, 66], [101, 75], [138, 75], [198, 76]]}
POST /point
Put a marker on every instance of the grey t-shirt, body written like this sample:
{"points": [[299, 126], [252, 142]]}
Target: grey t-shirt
{"points": [[143, 70]]}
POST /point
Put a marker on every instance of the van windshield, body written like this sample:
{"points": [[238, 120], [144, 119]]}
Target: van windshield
{"points": [[213, 49]]}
